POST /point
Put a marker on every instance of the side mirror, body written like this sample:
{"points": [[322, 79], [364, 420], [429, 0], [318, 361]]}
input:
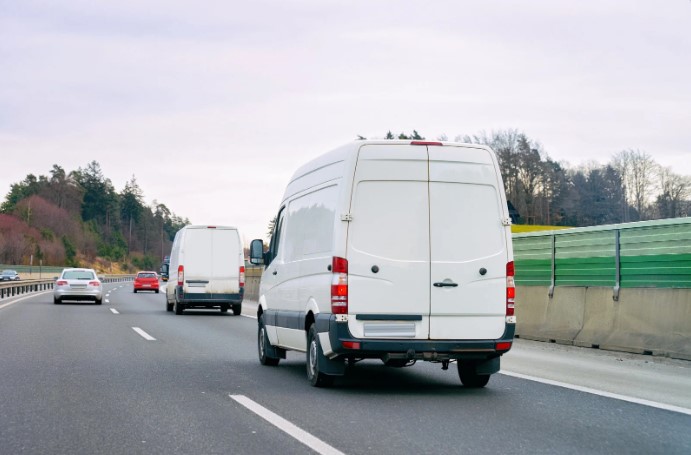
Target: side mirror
{"points": [[256, 252]]}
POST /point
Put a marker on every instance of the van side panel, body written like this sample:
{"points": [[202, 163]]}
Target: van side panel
{"points": [[468, 245], [298, 278]]}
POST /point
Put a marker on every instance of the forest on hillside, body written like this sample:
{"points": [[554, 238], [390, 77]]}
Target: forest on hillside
{"points": [[632, 186], [77, 218]]}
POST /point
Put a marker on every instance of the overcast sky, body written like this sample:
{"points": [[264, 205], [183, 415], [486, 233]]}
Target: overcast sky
{"points": [[213, 104]]}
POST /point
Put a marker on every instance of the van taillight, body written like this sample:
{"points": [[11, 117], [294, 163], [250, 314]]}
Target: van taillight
{"points": [[510, 293], [181, 275], [339, 285], [242, 276]]}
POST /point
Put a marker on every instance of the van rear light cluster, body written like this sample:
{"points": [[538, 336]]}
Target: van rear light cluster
{"points": [[510, 293], [242, 276], [181, 274], [339, 285]]}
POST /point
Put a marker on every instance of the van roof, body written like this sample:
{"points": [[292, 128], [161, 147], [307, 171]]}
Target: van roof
{"points": [[349, 151], [208, 226]]}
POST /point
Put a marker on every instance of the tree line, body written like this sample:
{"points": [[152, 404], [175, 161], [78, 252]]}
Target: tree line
{"points": [[78, 218], [630, 187]]}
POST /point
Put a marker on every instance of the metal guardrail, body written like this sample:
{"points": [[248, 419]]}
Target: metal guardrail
{"points": [[15, 288]]}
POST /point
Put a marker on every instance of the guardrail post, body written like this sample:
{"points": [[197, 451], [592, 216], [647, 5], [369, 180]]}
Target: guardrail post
{"points": [[617, 265], [554, 266]]}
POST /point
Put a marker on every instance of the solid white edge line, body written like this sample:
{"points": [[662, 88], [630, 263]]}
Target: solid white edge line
{"points": [[144, 335], [33, 294], [279, 422], [114, 311], [616, 396]]}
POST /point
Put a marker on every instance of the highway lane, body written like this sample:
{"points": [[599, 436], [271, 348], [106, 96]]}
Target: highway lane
{"points": [[77, 378]]}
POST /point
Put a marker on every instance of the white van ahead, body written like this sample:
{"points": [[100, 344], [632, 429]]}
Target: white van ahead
{"points": [[207, 269], [395, 250]]}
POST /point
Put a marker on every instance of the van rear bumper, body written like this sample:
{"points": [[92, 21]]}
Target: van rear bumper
{"points": [[344, 343], [190, 299]]}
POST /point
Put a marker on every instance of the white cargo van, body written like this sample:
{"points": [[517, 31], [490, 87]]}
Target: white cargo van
{"points": [[207, 269], [395, 250]]}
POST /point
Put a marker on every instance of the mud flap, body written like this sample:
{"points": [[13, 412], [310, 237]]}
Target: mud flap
{"points": [[332, 367], [489, 366]]}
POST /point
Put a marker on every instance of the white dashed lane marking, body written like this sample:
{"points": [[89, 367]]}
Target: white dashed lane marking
{"points": [[291, 429], [143, 334]]}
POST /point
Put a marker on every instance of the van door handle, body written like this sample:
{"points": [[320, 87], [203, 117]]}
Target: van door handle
{"points": [[444, 284], [275, 272]]}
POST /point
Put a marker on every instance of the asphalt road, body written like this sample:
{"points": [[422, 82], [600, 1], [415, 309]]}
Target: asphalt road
{"points": [[78, 378]]}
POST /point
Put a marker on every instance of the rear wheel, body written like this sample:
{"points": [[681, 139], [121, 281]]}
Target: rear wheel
{"points": [[237, 309], [156, 291], [224, 308], [469, 377], [314, 353], [99, 301], [178, 307], [56, 300], [169, 306], [134, 290], [263, 344]]}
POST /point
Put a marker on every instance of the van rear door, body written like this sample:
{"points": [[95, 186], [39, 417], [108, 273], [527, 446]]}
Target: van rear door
{"points": [[388, 243], [211, 260], [468, 244]]}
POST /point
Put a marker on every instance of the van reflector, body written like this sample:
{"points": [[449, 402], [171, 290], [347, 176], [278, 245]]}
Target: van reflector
{"points": [[351, 344], [242, 276], [503, 346], [181, 275], [510, 289], [339, 285], [426, 143]]}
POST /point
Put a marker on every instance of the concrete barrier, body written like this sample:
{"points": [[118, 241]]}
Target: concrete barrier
{"points": [[252, 277], [644, 321]]}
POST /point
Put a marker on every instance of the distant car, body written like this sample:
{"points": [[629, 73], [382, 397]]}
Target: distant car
{"points": [[146, 281], [10, 275], [78, 284]]}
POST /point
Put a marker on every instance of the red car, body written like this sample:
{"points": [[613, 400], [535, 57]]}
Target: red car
{"points": [[146, 281]]}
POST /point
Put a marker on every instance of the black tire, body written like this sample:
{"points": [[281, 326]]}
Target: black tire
{"points": [[169, 306], [134, 290], [156, 291], [99, 301], [56, 300], [314, 352], [469, 378], [224, 308], [263, 343], [178, 307], [237, 309]]}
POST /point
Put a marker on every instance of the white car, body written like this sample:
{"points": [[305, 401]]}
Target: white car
{"points": [[10, 275], [78, 284]]}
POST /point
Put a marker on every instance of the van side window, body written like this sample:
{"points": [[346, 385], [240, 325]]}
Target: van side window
{"points": [[276, 236]]}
